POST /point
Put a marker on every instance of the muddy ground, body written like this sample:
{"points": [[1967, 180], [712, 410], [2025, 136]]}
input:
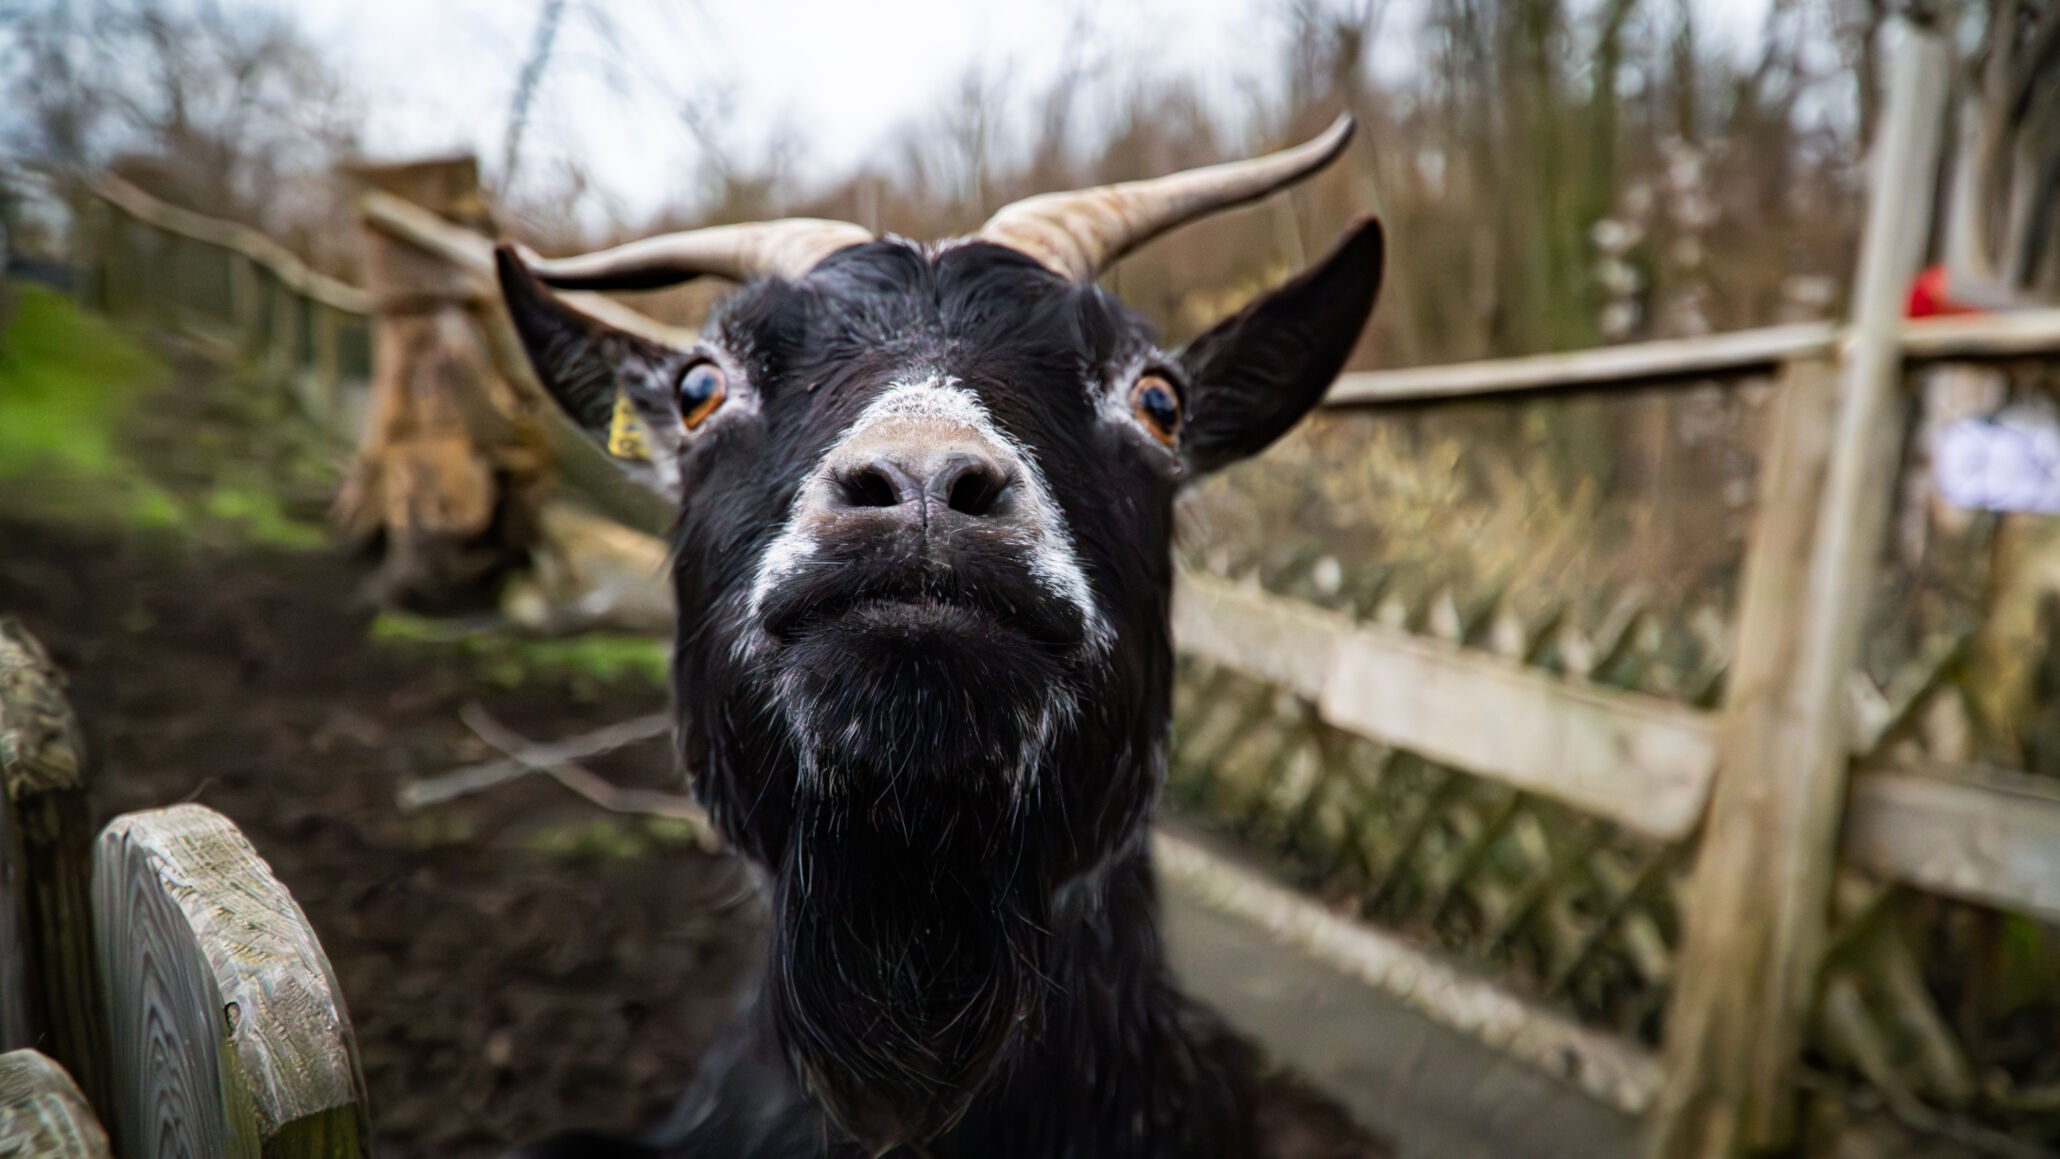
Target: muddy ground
{"points": [[514, 962]]}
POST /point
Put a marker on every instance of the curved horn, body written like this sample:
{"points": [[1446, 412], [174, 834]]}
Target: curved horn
{"points": [[787, 248], [1078, 233]]}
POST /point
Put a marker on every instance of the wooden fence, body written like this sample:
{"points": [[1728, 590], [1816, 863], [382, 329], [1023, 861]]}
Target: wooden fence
{"points": [[1669, 887], [158, 978], [237, 290]]}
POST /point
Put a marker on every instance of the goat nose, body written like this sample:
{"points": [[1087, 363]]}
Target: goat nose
{"points": [[970, 484]]}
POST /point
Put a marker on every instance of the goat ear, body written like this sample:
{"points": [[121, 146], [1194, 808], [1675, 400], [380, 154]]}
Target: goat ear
{"points": [[1259, 371], [618, 388]]}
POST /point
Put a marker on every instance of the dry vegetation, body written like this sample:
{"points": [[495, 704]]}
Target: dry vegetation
{"points": [[1554, 174]]}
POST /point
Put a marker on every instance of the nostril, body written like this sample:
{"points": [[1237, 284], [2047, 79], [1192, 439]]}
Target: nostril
{"points": [[868, 487], [976, 492]]}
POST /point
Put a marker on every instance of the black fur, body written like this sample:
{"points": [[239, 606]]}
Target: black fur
{"points": [[964, 956]]}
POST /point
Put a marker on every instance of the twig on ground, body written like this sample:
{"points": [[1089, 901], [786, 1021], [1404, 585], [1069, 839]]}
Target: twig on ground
{"points": [[531, 758], [577, 777]]}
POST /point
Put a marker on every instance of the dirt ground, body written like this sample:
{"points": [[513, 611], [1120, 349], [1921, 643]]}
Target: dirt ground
{"points": [[514, 962]]}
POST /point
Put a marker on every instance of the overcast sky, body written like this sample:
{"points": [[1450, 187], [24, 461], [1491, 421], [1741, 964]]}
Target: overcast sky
{"points": [[838, 75]]}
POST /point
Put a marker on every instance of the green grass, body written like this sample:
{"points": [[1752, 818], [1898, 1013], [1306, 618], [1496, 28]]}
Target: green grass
{"points": [[589, 663], [71, 384], [604, 839], [67, 380]]}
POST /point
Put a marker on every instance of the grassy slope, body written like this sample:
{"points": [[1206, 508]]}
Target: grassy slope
{"points": [[67, 378]]}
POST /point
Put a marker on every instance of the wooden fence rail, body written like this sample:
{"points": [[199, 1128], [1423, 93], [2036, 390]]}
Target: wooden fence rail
{"points": [[1759, 783], [256, 299], [185, 992]]}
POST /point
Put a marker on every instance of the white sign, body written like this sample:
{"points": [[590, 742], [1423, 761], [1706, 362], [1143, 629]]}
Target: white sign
{"points": [[2009, 463]]}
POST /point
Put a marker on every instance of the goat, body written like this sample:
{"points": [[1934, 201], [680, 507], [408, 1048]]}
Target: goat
{"points": [[923, 669]]}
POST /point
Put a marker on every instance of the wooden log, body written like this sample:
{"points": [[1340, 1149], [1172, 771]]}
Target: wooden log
{"points": [[42, 1113], [1763, 878], [1640, 761], [43, 772], [1988, 836], [232, 1037]]}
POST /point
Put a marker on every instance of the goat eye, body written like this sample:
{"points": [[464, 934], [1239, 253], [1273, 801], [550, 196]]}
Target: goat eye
{"points": [[1156, 405], [702, 389]]}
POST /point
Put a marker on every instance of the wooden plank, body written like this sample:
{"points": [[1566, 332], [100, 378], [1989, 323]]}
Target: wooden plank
{"points": [[1968, 338], [185, 223], [42, 1113], [1640, 761], [1762, 886], [1606, 1067], [1981, 337], [1989, 836], [1722, 355], [43, 775], [232, 1037]]}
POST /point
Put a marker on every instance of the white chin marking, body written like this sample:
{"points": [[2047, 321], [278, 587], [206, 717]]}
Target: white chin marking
{"points": [[1052, 560]]}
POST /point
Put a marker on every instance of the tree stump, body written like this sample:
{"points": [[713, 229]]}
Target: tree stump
{"points": [[42, 1113], [448, 472], [55, 997], [231, 1036]]}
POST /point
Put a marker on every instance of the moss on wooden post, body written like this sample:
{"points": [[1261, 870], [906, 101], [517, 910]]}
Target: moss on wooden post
{"points": [[42, 768]]}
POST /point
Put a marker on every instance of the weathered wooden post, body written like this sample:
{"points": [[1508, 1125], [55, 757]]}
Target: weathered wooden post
{"points": [[1762, 888], [231, 1037], [17, 1025], [42, 1113], [448, 470], [325, 363], [282, 345], [48, 832], [246, 302]]}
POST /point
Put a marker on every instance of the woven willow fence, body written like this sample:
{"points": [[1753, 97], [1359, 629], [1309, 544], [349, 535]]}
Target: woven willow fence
{"points": [[1695, 856]]}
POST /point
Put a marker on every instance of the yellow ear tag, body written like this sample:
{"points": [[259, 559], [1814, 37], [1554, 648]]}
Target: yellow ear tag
{"points": [[626, 431]]}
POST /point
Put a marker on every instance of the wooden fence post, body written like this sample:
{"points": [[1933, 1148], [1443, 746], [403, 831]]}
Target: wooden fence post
{"points": [[282, 338], [42, 1113], [42, 768], [1761, 892], [232, 1037], [324, 369], [17, 1024], [246, 303]]}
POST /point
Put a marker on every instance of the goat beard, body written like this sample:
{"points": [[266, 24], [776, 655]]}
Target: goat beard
{"points": [[899, 969]]}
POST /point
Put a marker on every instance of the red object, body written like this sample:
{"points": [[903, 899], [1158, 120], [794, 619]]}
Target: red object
{"points": [[1929, 296]]}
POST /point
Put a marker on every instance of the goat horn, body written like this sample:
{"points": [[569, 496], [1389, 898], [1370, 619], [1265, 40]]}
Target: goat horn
{"points": [[1078, 233], [787, 248]]}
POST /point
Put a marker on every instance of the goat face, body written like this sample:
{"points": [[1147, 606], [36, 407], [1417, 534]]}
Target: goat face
{"points": [[922, 564]]}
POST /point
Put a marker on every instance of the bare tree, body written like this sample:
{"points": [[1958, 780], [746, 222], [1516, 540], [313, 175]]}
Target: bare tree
{"points": [[526, 86], [208, 103]]}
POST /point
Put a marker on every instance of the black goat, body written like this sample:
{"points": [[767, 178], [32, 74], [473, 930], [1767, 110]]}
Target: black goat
{"points": [[923, 668]]}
